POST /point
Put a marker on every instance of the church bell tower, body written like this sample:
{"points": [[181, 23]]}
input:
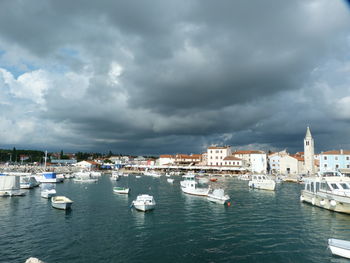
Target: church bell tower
{"points": [[309, 153]]}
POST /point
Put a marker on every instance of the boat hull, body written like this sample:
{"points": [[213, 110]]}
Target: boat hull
{"points": [[121, 191], [335, 203], [338, 250], [61, 206], [218, 200], [195, 191], [144, 207], [270, 186]]}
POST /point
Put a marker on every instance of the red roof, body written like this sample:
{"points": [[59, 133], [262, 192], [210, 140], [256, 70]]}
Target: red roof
{"points": [[218, 147], [248, 152], [166, 156], [337, 152], [232, 158]]}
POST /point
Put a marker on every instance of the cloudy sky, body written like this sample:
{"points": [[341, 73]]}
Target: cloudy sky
{"points": [[154, 77]]}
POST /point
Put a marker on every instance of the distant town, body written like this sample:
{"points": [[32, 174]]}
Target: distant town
{"points": [[220, 158]]}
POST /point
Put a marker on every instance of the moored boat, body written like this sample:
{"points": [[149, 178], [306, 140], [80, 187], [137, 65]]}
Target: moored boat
{"points": [[61, 202], [218, 196], [170, 180], [339, 247], [144, 203], [189, 186], [260, 181], [329, 192], [121, 190], [48, 193], [10, 186], [48, 177]]}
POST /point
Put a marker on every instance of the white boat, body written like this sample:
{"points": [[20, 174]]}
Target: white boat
{"points": [[48, 193], [244, 177], [121, 190], [138, 176], [144, 203], [61, 202], [218, 196], [339, 247], [48, 177], [95, 174], [152, 173], [260, 181], [10, 186], [27, 182], [115, 176], [84, 177], [170, 180], [189, 186], [329, 192]]}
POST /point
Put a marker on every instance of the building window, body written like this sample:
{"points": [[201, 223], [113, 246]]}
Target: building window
{"points": [[307, 142], [337, 166], [348, 166], [211, 151], [325, 158], [325, 165], [347, 158], [220, 151], [336, 158]]}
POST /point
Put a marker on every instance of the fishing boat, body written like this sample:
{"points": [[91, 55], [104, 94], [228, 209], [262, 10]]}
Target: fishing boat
{"points": [[48, 193], [260, 181], [339, 247], [61, 202], [189, 186], [218, 196], [144, 203], [48, 177], [10, 186], [121, 190], [328, 191]]}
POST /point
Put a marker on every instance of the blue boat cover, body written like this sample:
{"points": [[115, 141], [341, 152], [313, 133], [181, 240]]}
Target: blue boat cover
{"points": [[49, 175]]}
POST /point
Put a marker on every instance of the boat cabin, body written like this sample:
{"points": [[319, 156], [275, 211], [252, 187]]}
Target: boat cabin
{"points": [[259, 177], [336, 185]]}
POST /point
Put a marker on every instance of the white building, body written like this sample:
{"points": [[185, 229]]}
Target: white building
{"points": [[217, 154], [166, 159], [274, 160], [254, 161], [87, 164], [232, 161], [292, 164]]}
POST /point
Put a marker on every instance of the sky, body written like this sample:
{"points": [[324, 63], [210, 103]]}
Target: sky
{"points": [[163, 77]]}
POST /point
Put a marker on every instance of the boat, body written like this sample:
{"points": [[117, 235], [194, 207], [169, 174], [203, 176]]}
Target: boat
{"points": [[218, 196], [170, 180], [138, 176], [10, 186], [61, 202], [213, 179], [339, 247], [144, 203], [260, 181], [121, 190], [84, 177], [189, 186], [48, 193], [329, 192], [48, 177], [115, 176], [152, 173], [244, 177], [27, 182]]}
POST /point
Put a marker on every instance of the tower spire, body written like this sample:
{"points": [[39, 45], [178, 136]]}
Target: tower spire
{"points": [[308, 133]]}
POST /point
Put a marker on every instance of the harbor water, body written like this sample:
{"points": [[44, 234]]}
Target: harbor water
{"points": [[259, 226]]}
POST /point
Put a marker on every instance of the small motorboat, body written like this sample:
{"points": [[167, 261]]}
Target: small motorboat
{"points": [[138, 176], [48, 193], [213, 179], [170, 180], [144, 203], [218, 196], [61, 202], [121, 190], [339, 247]]}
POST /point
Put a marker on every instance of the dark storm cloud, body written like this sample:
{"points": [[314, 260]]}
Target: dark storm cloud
{"points": [[162, 76]]}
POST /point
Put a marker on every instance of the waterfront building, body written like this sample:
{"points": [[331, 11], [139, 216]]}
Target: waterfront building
{"points": [[274, 160], [335, 160], [166, 159], [217, 154], [309, 153], [184, 159], [87, 164], [292, 164], [232, 161], [254, 161]]}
